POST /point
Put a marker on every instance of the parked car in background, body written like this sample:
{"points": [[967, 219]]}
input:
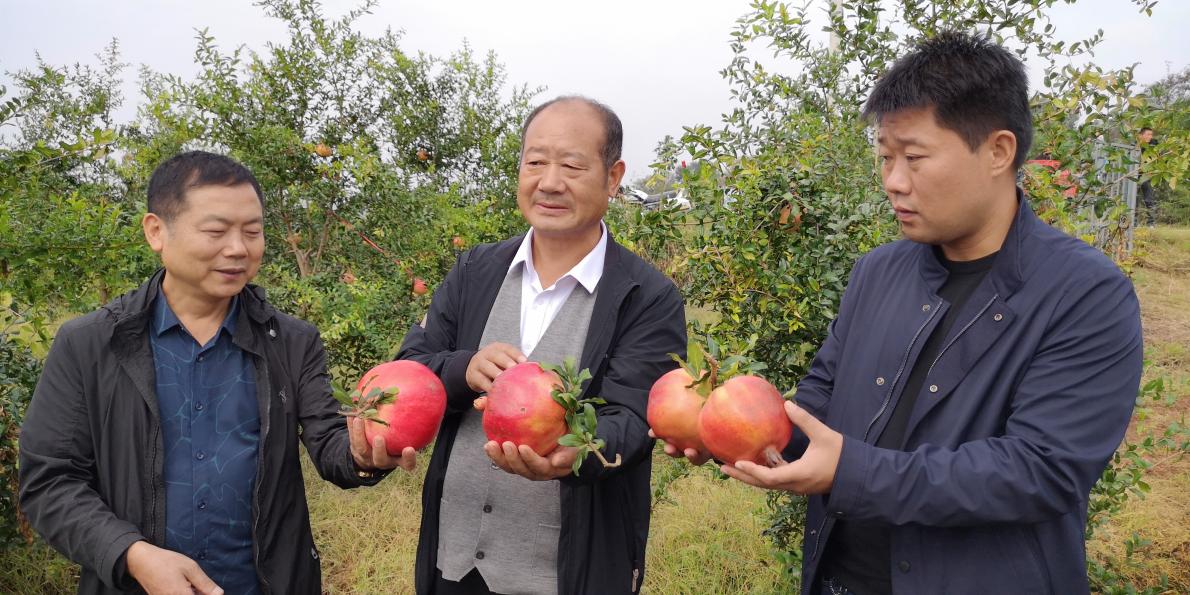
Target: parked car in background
{"points": [[670, 199], [632, 195]]}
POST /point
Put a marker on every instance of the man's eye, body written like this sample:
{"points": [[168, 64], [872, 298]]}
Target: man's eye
{"points": [[214, 232], [912, 158]]}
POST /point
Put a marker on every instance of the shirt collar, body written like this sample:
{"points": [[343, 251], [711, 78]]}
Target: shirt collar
{"points": [[587, 272], [165, 320]]}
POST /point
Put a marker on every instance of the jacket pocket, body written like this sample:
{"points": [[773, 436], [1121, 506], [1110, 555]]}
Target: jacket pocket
{"points": [[546, 550], [627, 514], [1021, 554]]}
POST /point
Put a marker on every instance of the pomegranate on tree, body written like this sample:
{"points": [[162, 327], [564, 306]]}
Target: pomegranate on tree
{"points": [[401, 401], [745, 420]]}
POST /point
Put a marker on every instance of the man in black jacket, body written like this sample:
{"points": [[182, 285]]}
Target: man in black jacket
{"points": [[498, 518], [160, 447]]}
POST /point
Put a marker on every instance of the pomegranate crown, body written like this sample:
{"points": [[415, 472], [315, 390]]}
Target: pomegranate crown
{"points": [[366, 403]]}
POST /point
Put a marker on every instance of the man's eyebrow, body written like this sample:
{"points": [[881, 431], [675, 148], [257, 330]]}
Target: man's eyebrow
{"points": [[226, 221]]}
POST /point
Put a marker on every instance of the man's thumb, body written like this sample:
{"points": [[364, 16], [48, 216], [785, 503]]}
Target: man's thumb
{"points": [[202, 583], [808, 424]]}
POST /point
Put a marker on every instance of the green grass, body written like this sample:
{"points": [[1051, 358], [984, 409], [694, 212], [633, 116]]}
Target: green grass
{"points": [[36, 570], [1162, 517]]}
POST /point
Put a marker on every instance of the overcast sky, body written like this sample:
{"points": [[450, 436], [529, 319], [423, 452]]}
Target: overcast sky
{"points": [[656, 62]]}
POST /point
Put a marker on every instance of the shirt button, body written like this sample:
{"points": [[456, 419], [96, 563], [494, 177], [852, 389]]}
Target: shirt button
{"points": [[880, 381], [201, 455], [998, 317], [933, 388], [903, 565], [202, 505], [478, 555], [199, 406], [494, 466], [202, 555], [925, 307], [487, 508], [202, 357]]}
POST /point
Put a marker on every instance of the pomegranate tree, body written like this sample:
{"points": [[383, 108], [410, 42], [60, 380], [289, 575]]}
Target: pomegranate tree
{"points": [[401, 401]]}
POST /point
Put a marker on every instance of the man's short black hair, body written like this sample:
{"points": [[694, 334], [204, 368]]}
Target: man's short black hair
{"points": [[1144, 129], [171, 180], [613, 130], [975, 86]]}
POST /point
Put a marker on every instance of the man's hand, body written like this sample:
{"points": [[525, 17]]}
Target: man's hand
{"points": [[695, 456], [375, 456], [814, 473], [487, 363], [164, 572], [521, 460]]}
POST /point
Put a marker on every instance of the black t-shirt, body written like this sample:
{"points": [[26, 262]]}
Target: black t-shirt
{"points": [[858, 554]]}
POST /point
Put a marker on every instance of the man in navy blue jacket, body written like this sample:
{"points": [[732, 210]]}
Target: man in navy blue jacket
{"points": [[980, 372]]}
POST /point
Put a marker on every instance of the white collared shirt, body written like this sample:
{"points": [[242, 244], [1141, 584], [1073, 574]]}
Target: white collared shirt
{"points": [[539, 305]]}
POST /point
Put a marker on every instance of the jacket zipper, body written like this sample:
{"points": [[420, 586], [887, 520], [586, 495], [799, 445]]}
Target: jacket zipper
{"points": [[978, 315], [904, 361], [264, 433], [883, 407]]}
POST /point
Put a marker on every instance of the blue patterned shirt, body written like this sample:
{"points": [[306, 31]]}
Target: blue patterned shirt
{"points": [[210, 423]]}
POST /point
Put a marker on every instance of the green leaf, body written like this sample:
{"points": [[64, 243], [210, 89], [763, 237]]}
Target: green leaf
{"points": [[570, 440]]}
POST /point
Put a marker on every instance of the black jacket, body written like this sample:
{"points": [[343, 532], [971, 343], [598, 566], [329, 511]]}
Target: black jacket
{"points": [[91, 447], [638, 320]]}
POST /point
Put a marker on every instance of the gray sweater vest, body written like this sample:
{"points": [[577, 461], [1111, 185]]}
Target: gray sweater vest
{"points": [[503, 524]]}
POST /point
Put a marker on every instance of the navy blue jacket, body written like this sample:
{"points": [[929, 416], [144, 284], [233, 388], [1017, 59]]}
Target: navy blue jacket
{"points": [[638, 320], [1018, 416]]}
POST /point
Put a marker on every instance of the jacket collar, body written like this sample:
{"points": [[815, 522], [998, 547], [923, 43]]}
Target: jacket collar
{"points": [[1007, 273], [614, 285], [132, 312]]}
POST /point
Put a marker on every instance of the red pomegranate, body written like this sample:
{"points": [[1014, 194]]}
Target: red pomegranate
{"points": [[414, 413], [744, 420], [673, 410], [521, 410]]}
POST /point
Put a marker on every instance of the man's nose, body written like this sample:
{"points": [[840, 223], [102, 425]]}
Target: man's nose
{"points": [[551, 179], [895, 176]]}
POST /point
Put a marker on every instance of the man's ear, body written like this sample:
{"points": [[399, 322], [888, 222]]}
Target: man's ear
{"points": [[614, 176], [155, 230], [1001, 146]]}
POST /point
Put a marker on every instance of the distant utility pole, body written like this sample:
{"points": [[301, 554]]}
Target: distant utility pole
{"points": [[834, 44]]}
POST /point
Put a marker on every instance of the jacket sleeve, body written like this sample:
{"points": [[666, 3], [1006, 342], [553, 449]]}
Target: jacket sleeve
{"points": [[1069, 412], [57, 463], [637, 358], [324, 431], [815, 389], [435, 343]]}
